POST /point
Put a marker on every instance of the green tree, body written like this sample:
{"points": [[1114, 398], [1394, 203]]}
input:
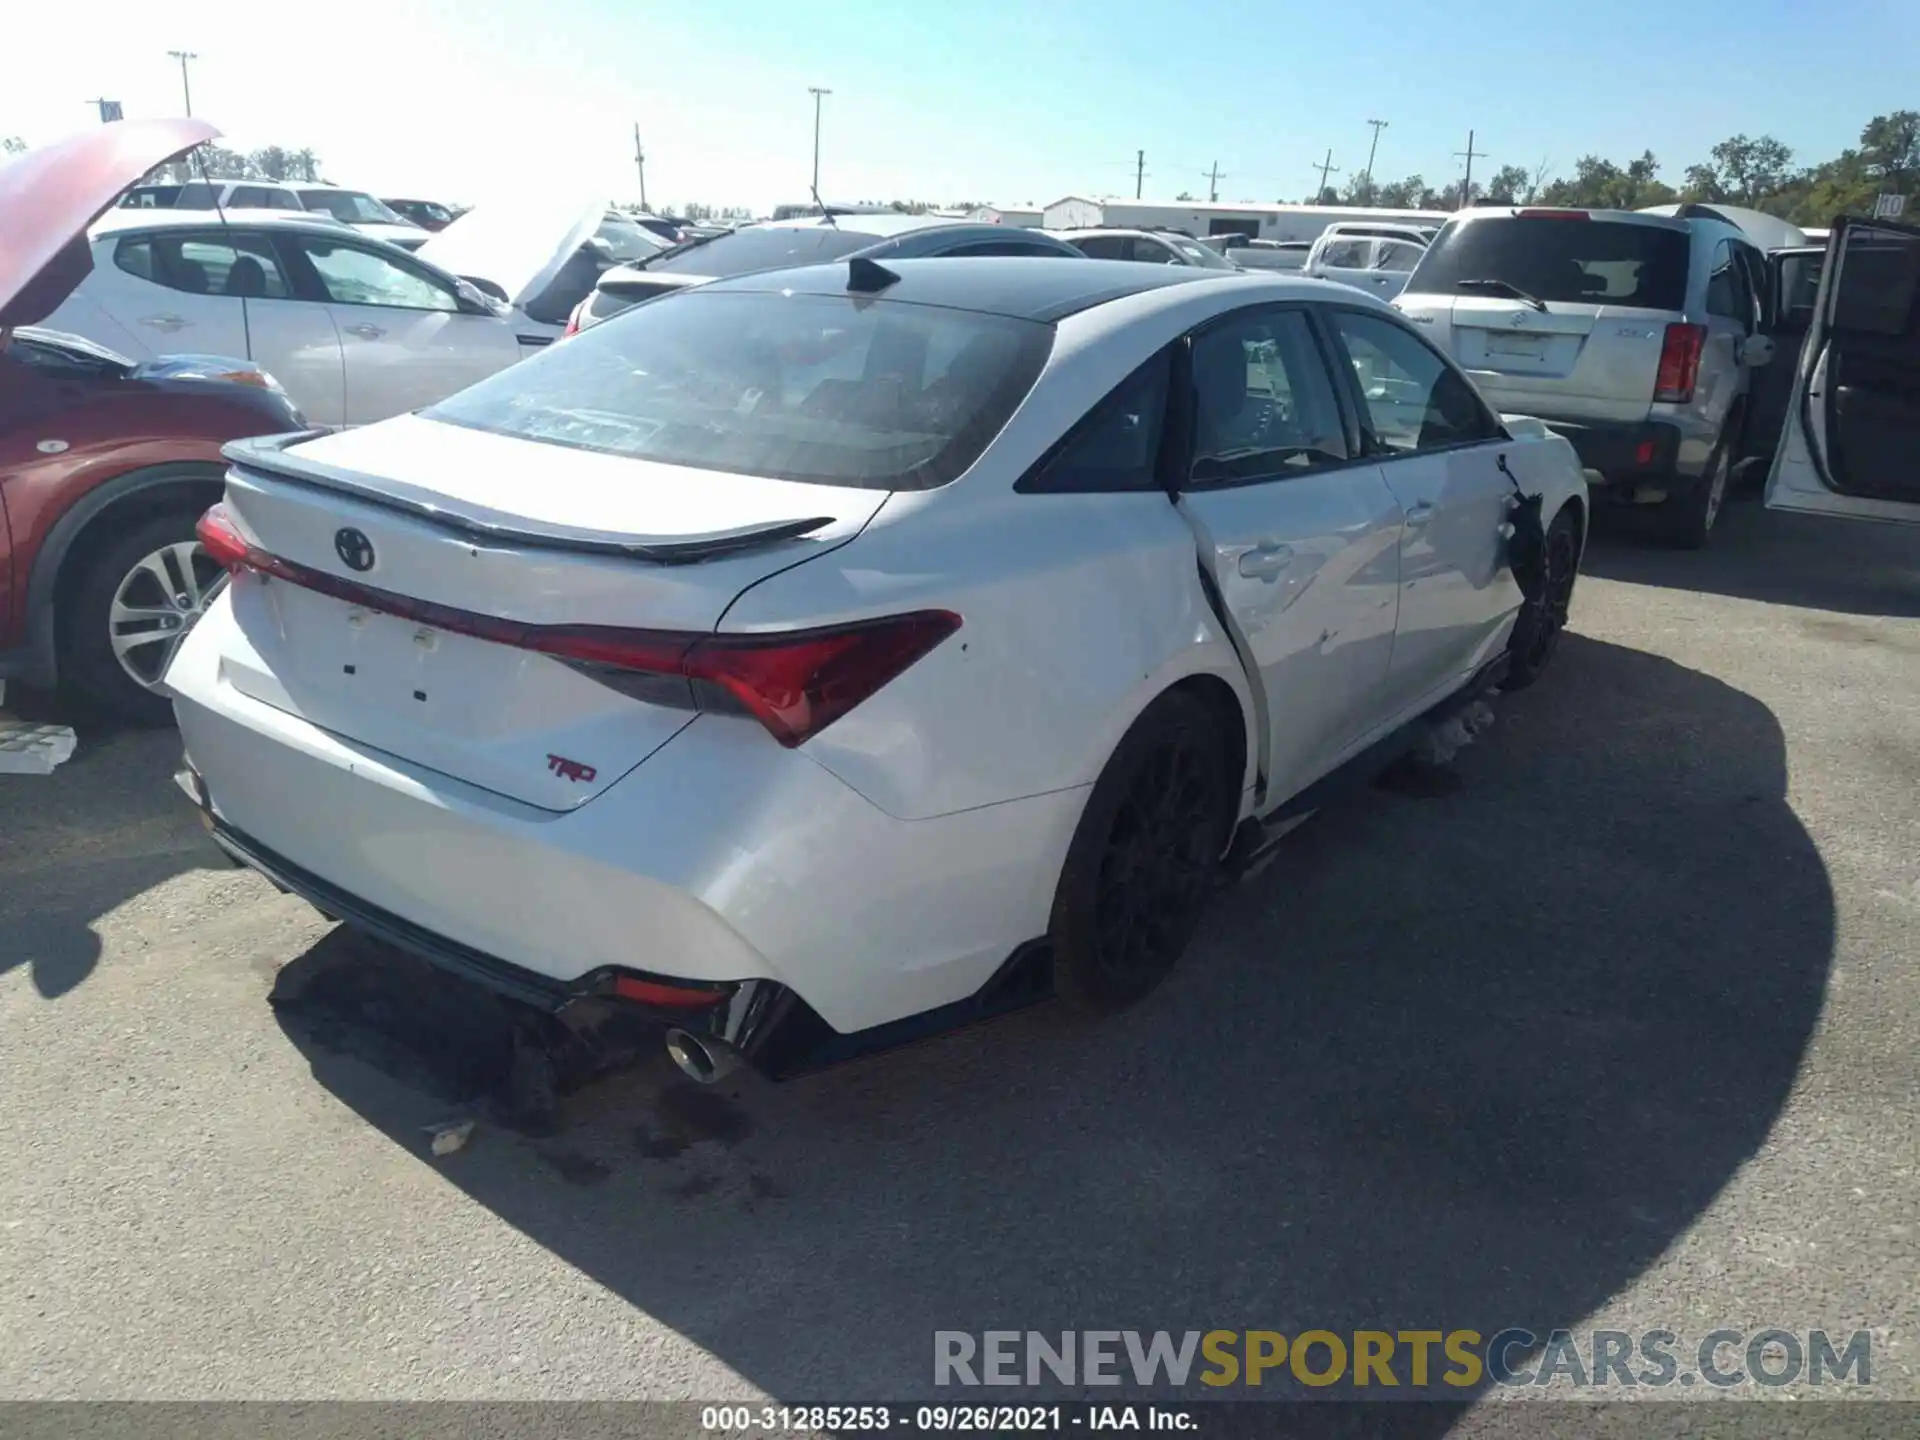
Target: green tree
{"points": [[1890, 150], [1404, 194], [1361, 190], [304, 165], [269, 162], [1510, 185], [1747, 171], [12, 145]]}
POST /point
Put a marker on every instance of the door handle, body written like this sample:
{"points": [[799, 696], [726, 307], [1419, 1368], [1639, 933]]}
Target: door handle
{"points": [[168, 323], [366, 331], [1266, 560], [1418, 515]]}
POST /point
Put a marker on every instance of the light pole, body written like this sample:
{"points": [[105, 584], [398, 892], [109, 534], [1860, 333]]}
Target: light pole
{"points": [[818, 92], [186, 89]]}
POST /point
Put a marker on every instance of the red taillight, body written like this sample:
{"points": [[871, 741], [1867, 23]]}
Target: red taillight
{"points": [[1536, 214], [1679, 364], [795, 683], [222, 542]]}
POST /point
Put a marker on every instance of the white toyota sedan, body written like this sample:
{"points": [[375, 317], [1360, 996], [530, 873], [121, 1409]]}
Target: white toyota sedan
{"points": [[819, 657]]}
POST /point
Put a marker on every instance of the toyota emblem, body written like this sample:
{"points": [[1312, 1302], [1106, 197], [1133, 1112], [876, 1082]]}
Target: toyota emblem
{"points": [[1517, 319], [353, 548]]}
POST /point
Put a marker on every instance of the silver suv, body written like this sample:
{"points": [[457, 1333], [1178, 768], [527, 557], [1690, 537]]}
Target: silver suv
{"points": [[1633, 335]]}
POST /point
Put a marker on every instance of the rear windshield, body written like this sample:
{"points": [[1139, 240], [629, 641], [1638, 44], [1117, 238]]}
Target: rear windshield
{"points": [[1581, 262], [774, 248], [828, 389]]}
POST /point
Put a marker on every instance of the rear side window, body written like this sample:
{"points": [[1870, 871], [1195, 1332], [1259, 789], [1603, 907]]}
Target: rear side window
{"points": [[1565, 261], [1397, 255], [198, 195], [826, 389], [1116, 447], [1346, 254], [229, 263], [1263, 403]]}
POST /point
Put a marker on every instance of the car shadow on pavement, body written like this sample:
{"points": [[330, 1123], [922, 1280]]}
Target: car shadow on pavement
{"points": [[104, 827], [1811, 561], [1473, 1061]]}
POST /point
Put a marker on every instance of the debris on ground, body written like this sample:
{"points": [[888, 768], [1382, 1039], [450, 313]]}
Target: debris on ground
{"points": [[450, 1135], [1426, 771], [28, 749]]}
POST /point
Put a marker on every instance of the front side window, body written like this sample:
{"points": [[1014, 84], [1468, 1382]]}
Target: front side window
{"points": [[352, 276], [1116, 447], [1415, 401], [1398, 256], [1263, 403], [826, 389], [1105, 247], [228, 263]]}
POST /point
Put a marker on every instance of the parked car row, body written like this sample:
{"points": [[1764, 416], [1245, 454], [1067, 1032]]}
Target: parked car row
{"points": [[723, 612]]}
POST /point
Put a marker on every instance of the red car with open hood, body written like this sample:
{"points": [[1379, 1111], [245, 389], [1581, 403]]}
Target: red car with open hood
{"points": [[105, 464]]}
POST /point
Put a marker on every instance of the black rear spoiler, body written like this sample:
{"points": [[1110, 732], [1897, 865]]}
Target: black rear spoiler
{"points": [[275, 457]]}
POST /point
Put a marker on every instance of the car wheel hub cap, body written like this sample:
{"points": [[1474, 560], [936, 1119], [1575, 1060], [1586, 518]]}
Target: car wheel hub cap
{"points": [[154, 604]]}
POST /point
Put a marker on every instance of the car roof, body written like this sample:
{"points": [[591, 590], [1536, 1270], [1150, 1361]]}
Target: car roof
{"points": [[882, 224], [1140, 230], [1038, 287], [1624, 217], [119, 221]]}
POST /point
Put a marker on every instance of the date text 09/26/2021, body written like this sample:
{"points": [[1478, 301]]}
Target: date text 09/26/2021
{"points": [[975, 1419]]}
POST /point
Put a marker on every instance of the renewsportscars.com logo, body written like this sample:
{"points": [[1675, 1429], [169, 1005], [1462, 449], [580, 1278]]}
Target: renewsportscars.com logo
{"points": [[1400, 1359]]}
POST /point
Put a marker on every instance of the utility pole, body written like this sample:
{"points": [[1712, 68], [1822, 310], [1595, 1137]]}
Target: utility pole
{"points": [[186, 89], [1139, 171], [640, 164], [1373, 149], [1470, 154], [1326, 167], [818, 92], [1213, 184]]}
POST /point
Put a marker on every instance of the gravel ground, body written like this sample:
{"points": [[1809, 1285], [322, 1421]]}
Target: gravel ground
{"points": [[1622, 1032]]}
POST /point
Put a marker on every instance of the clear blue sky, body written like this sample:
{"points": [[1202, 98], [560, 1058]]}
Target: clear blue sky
{"points": [[990, 99]]}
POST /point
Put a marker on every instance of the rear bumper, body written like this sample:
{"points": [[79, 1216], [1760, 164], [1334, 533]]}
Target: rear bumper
{"points": [[1628, 454], [723, 859]]}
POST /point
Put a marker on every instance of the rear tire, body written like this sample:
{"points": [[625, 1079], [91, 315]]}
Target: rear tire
{"points": [[1536, 633], [1686, 521], [1145, 858], [127, 608]]}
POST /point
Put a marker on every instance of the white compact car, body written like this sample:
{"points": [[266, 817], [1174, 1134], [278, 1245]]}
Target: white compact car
{"points": [[355, 329], [821, 656], [1379, 265]]}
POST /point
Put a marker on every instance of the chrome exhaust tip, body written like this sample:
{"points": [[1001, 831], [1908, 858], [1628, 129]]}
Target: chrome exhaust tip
{"points": [[702, 1059]]}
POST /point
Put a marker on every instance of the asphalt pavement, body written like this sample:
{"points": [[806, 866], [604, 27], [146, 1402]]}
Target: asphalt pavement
{"points": [[1621, 1032]]}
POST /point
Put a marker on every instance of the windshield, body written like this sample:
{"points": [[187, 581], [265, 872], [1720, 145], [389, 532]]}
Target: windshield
{"points": [[1570, 261], [772, 247], [827, 389], [356, 207], [627, 241]]}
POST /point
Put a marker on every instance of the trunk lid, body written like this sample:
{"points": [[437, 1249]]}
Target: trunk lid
{"points": [[1578, 361], [517, 245], [512, 530], [51, 195]]}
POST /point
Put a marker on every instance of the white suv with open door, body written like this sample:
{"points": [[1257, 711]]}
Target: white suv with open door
{"points": [[1851, 443]]}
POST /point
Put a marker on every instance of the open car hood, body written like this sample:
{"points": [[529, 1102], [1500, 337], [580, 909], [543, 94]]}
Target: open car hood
{"points": [[517, 245], [51, 195]]}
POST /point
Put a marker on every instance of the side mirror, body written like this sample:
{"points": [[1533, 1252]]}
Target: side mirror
{"points": [[1756, 350]]}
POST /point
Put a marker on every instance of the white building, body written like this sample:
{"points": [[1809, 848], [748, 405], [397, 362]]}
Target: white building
{"points": [[1025, 218], [1198, 218]]}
